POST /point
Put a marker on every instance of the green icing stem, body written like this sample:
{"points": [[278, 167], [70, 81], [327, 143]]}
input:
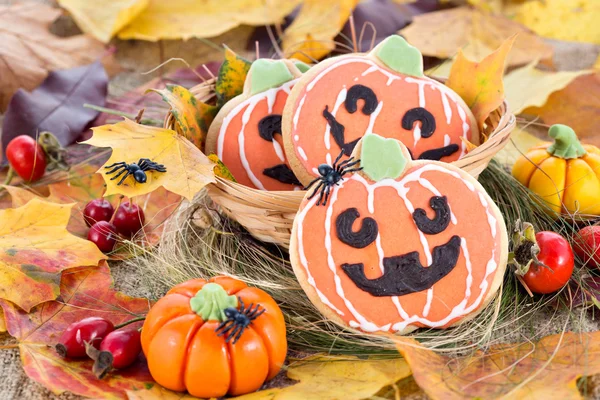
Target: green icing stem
{"points": [[267, 74], [396, 53], [211, 301], [566, 144], [381, 158], [303, 67]]}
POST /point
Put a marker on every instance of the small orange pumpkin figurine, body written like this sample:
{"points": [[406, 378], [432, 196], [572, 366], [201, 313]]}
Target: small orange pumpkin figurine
{"points": [[214, 338]]}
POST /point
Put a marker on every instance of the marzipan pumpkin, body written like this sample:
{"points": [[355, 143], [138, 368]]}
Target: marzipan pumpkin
{"points": [[400, 244], [214, 338], [565, 174], [384, 92]]}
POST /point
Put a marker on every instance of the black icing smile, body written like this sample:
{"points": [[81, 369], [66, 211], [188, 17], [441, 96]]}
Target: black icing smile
{"points": [[405, 274], [268, 127]]}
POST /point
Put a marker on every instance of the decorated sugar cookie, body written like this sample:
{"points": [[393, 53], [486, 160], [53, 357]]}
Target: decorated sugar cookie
{"points": [[246, 133], [399, 244], [384, 92]]}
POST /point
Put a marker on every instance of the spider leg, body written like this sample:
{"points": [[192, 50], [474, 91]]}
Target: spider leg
{"points": [[257, 313], [115, 169], [312, 183], [345, 162], [233, 333], [124, 177], [238, 335], [117, 163], [229, 324], [351, 170], [321, 195], [316, 190], [250, 312], [338, 158], [242, 305], [223, 324], [327, 192], [348, 165], [119, 174]]}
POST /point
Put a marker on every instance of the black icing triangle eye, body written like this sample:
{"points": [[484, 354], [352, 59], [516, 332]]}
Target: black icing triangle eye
{"points": [[269, 126], [363, 237], [283, 174], [419, 114], [440, 221], [361, 92]]}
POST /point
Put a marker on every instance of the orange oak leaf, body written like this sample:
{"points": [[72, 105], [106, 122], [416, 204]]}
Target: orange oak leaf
{"points": [[84, 292], [480, 83], [35, 248], [548, 369], [577, 105], [28, 51]]}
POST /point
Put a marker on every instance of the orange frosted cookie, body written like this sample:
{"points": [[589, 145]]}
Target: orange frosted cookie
{"points": [[399, 244], [384, 92], [246, 133]]}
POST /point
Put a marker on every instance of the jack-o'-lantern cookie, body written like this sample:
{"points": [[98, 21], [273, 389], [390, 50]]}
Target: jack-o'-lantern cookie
{"points": [[384, 92], [399, 244], [246, 133]]}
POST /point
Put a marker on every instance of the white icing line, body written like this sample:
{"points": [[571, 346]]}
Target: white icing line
{"points": [[297, 114], [491, 219], [373, 118], [380, 252], [278, 150], [447, 139], [469, 282], [447, 108], [466, 127], [428, 303], [296, 137], [303, 154], [421, 84], [341, 97], [328, 159], [417, 133]]}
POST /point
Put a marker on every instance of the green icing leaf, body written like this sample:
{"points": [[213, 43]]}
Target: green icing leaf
{"points": [[266, 74], [396, 53], [211, 301], [381, 158], [303, 67]]}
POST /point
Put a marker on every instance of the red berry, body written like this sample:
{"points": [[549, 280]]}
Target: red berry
{"points": [[124, 344], [129, 219], [26, 157], [587, 246], [97, 210], [103, 234], [91, 330]]}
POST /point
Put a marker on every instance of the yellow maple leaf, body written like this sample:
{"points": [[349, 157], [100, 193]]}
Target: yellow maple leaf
{"points": [[103, 19], [441, 33], [184, 19], [480, 83], [310, 36], [548, 369], [528, 86], [35, 247], [320, 376], [188, 169]]}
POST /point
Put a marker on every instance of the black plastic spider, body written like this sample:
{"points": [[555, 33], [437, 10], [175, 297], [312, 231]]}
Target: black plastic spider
{"points": [[138, 170], [238, 320], [331, 175]]}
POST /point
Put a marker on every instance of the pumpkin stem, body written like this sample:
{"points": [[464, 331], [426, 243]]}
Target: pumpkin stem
{"points": [[566, 144], [211, 301]]}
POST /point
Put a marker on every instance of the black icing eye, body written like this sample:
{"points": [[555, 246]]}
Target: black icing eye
{"points": [[419, 114], [361, 92], [359, 239], [269, 126], [283, 174], [440, 221]]}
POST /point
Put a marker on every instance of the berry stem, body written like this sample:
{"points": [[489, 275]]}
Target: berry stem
{"points": [[129, 322], [9, 176]]}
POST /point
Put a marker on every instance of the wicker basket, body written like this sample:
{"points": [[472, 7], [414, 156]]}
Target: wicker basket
{"points": [[269, 216]]}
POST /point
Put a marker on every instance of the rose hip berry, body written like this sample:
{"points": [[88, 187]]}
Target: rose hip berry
{"points": [[92, 330], [26, 157], [129, 219], [119, 349], [97, 210], [587, 246], [103, 234]]}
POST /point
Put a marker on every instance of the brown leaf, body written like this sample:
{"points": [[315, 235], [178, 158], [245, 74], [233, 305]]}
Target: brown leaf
{"points": [[84, 292], [441, 33], [577, 105], [28, 51], [548, 369]]}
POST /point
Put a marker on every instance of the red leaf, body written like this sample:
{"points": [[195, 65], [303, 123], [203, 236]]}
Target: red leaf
{"points": [[84, 292]]}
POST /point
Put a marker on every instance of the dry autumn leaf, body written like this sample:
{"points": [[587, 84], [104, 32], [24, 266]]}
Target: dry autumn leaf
{"points": [[480, 83], [192, 116], [35, 248], [188, 169], [184, 19], [577, 105], [441, 33], [84, 292], [232, 75], [310, 36], [548, 369], [529, 87], [103, 19], [28, 51]]}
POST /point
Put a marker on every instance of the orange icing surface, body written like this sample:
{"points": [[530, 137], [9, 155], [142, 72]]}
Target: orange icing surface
{"points": [[398, 97], [259, 152], [399, 235]]}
